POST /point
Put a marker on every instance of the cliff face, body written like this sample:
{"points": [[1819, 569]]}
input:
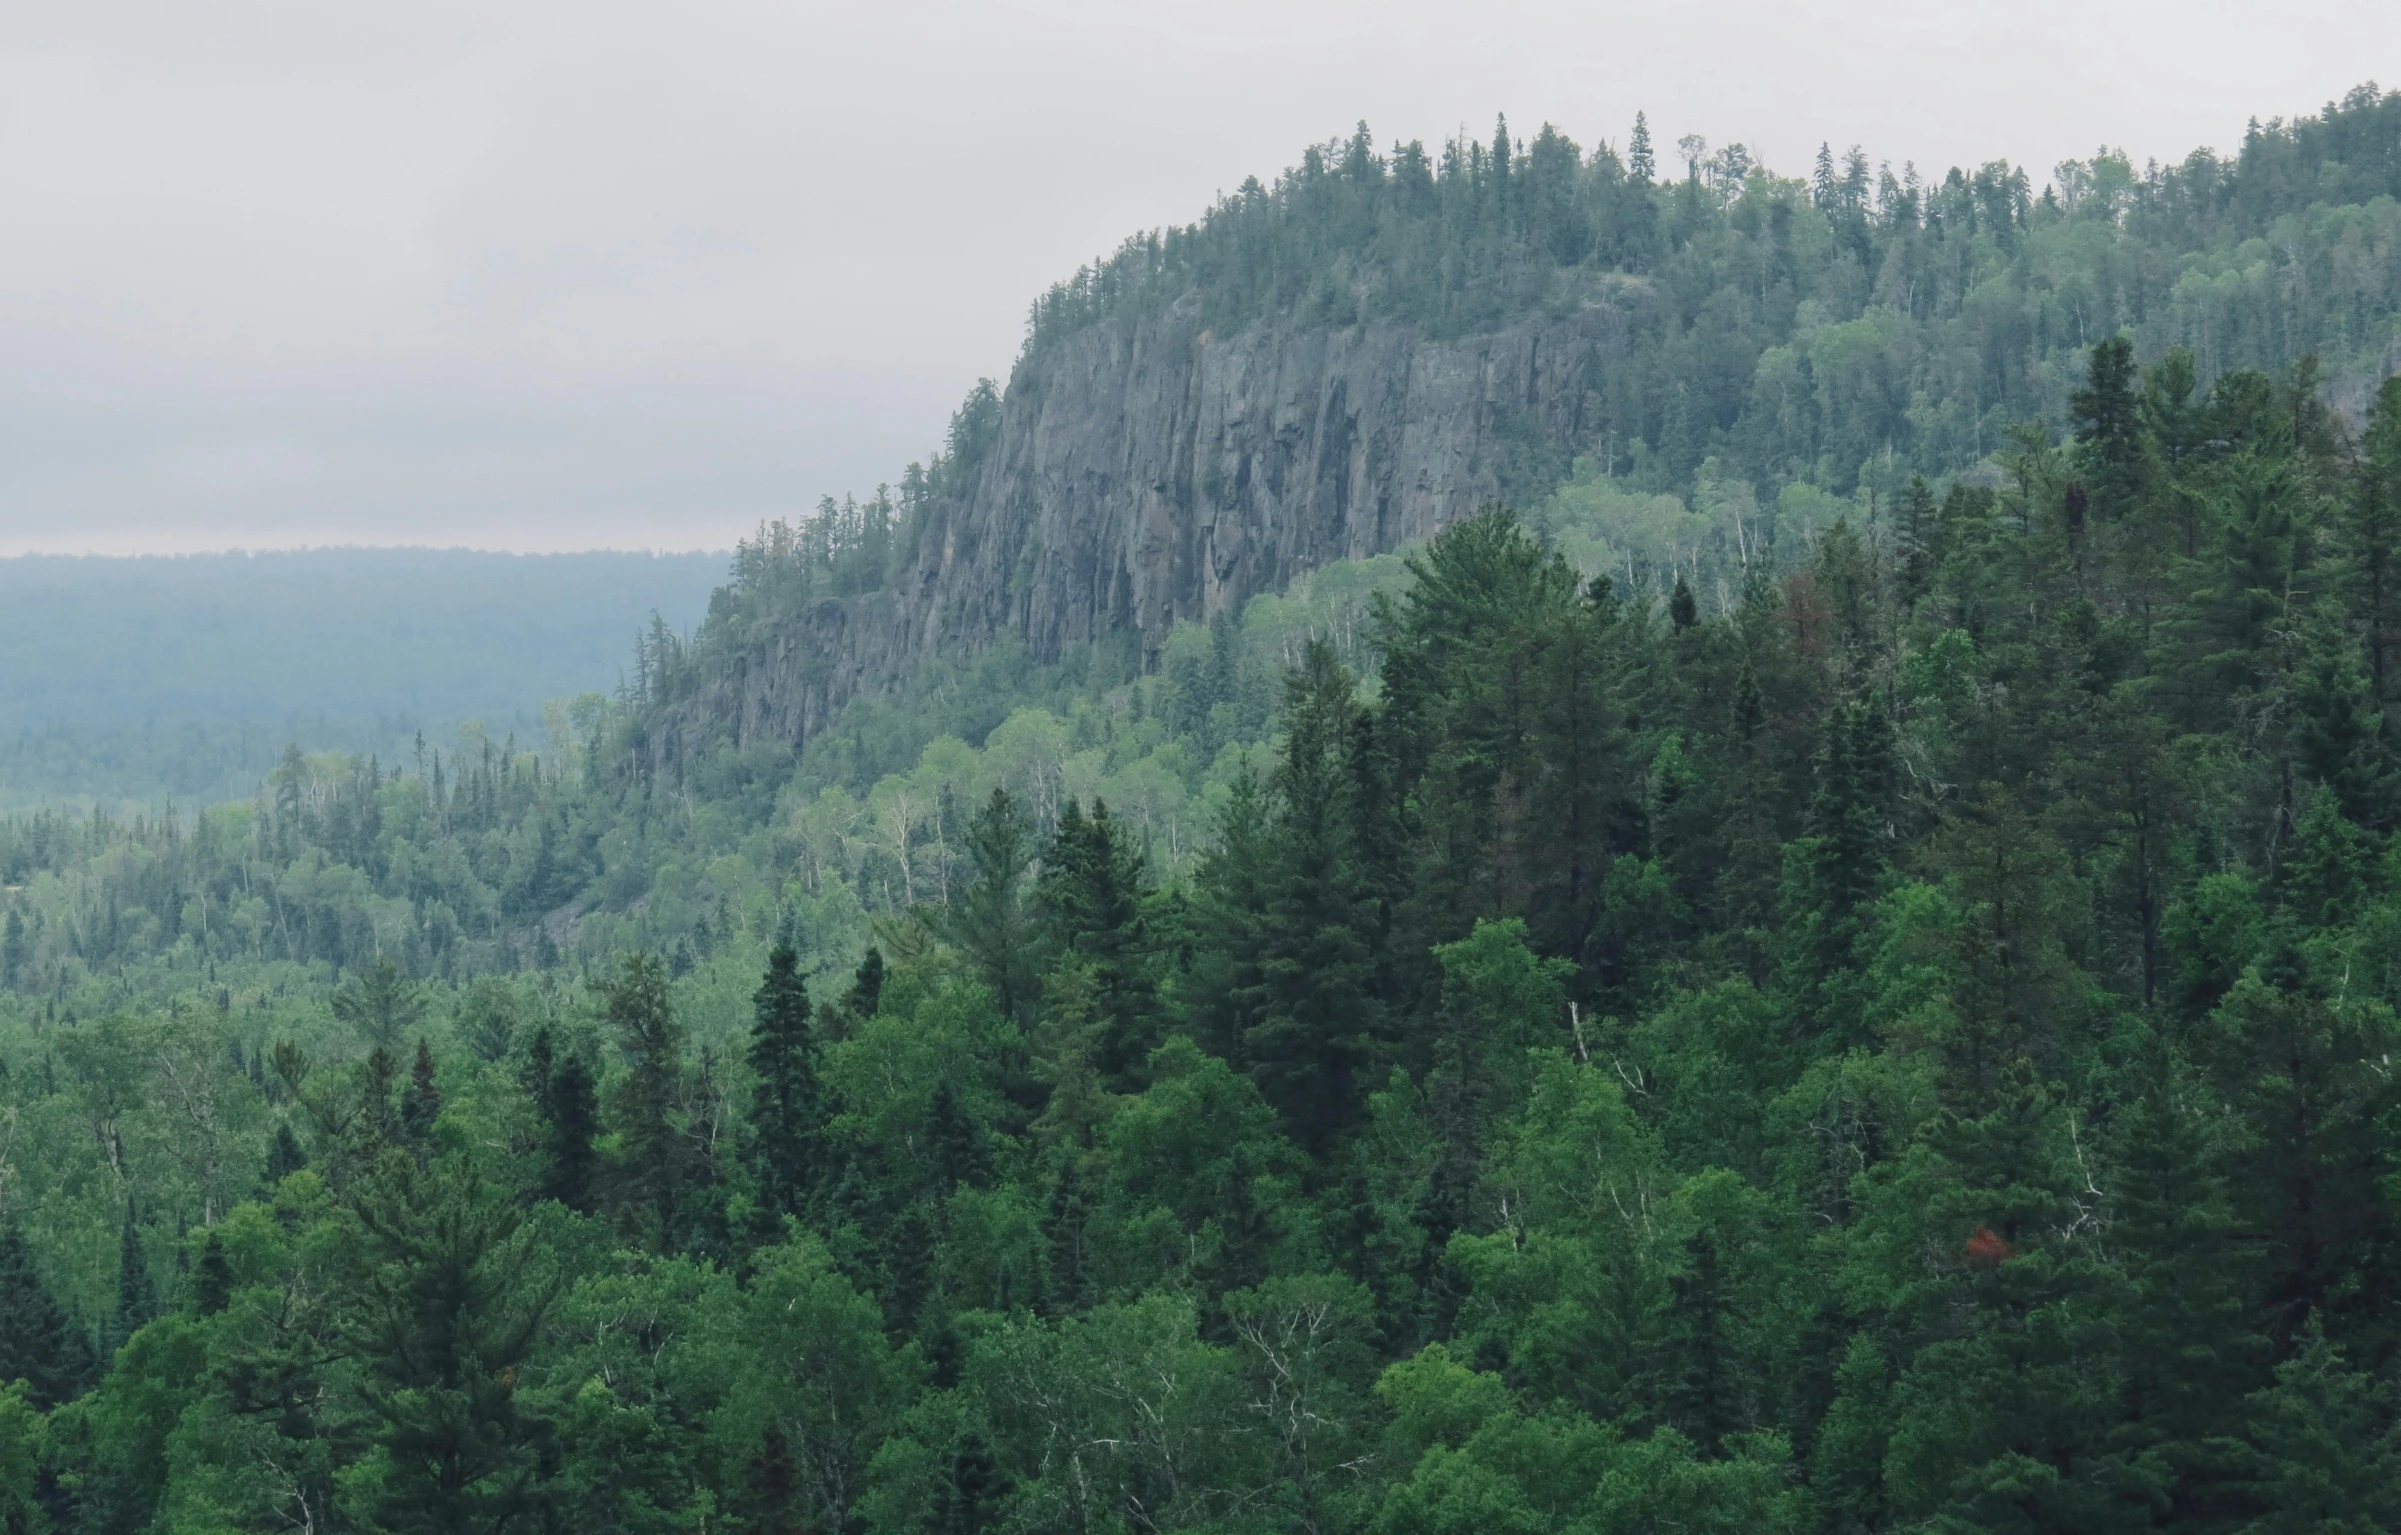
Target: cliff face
{"points": [[1146, 472]]}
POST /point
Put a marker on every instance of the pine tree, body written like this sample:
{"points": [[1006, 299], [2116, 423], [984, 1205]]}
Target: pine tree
{"points": [[2340, 732], [2109, 434], [787, 1106], [137, 1298], [441, 1330], [1091, 894], [866, 995], [1316, 1018], [2324, 1454], [655, 1168], [1832, 874], [381, 1004], [2372, 532], [989, 919], [574, 1119], [422, 1104], [1641, 164], [1916, 533], [2184, 1322], [970, 1497], [1063, 1228], [957, 1142], [212, 1280], [771, 1488], [541, 1064], [1847, 1461], [284, 1157], [38, 1343]]}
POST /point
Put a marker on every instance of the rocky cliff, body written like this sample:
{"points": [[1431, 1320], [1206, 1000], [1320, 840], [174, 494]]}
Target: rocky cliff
{"points": [[1147, 472]]}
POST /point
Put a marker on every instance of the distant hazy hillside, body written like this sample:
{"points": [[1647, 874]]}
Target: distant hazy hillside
{"points": [[127, 677]]}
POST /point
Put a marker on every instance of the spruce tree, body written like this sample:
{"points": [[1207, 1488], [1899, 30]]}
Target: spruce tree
{"points": [[540, 1064], [787, 1106], [655, 1168], [1091, 894], [284, 1157], [960, 1158], [969, 1499], [1641, 162], [1316, 1019], [2372, 531], [1831, 875], [1063, 1229], [421, 1105], [770, 1500], [1682, 610], [447, 1319], [137, 1297], [573, 1120], [989, 919], [39, 1344], [212, 1279], [2109, 433], [866, 995]]}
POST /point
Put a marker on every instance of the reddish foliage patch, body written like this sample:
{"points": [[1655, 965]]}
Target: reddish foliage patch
{"points": [[1986, 1249]]}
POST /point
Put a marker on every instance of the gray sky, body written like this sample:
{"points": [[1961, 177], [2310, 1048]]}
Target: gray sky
{"points": [[548, 275]]}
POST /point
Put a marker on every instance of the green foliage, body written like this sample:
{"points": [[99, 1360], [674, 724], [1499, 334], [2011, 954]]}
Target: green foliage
{"points": [[1797, 1012]]}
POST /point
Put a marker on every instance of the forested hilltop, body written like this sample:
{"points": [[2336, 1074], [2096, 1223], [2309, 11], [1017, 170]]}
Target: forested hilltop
{"points": [[1380, 343], [1613, 1019]]}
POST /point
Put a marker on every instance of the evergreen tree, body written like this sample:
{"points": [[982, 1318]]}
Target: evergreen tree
{"points": [[38, 1343], [2325, 1454], [212, 1280], [957, 1142], [2340, 733], [2372, 531], [787, 1106], [656, 1165], [446, 1319], [859, 1004], [1831, 875], [2109, 434], [541, 1063], [990, 921], [1316, 1018], [284, 1157], [771, 1488], [1070, 1286], [422, 1103], [1682, 610], [1091, 891], [137, 1297], [381, 1003], [573, 1114], [969, 1501]]}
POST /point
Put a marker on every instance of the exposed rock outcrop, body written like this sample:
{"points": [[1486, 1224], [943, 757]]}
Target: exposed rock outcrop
{"points": [[1146, 472]]}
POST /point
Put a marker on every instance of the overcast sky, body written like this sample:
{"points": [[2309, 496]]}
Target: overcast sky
{"points": [[550, 275]]}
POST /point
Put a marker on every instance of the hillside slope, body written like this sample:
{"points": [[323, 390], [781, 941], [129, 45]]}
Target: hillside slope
{"points": [[1380, 344]]}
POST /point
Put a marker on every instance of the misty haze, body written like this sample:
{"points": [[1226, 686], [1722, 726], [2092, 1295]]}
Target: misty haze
{"points": [[1271, 770]]}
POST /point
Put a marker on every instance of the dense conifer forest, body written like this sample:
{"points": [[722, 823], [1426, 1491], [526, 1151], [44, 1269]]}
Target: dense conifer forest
{"points": [[1617, 1019]]}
